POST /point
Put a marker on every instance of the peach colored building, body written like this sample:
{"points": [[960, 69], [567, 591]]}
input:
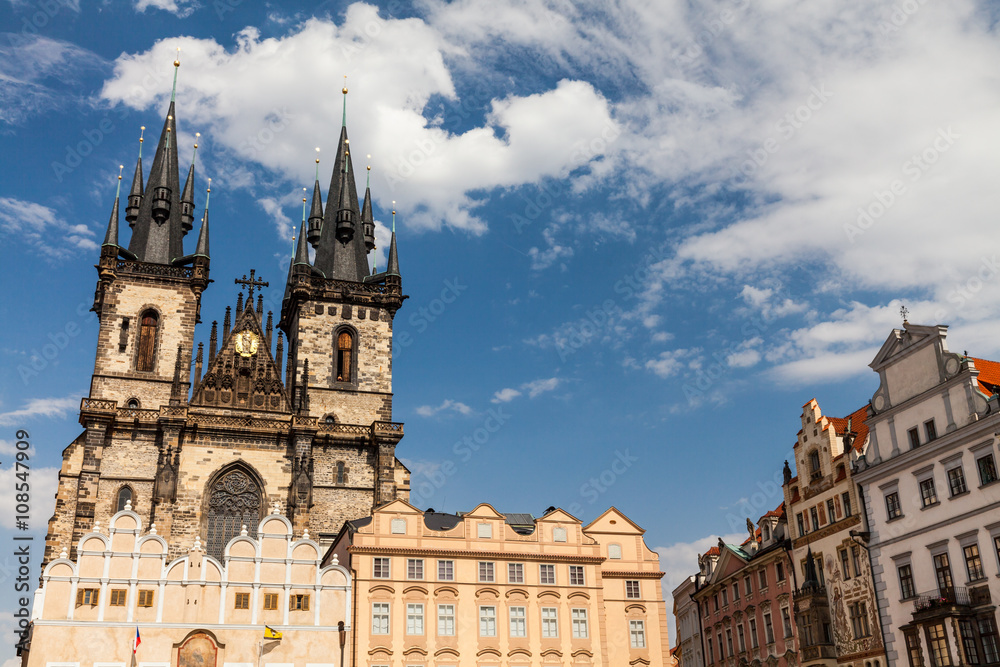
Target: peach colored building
{"points": [[484, 589], [192, 610]]}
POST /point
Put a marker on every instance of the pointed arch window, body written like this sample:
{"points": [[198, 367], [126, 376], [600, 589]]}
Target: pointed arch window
{"points": [[147, 341], [345, 356], [124, 497], [234, 501]]}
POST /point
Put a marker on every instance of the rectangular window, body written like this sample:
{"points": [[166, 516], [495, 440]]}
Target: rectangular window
{"points": [[906, 586], [580, 629], [830, 511], [736, 591], [446, 570], [414, 568], [928, 495], [987, 469], [380, 618], [779, 569], [956, 481], [892, 508], [929, 430], [914, 437], [547, 574], [988, 633], [632, 589], [88, 596], [859, 619], [380, 568], [748, 585], [768, 629], [973, 563], [814, 517], [856, 559], [722, 650], [298, 603], [802, 526], [118, 597], [942, 569], [576, 575], [762, 579], [550, 622], [487, 621], [729, 642], [146, 598], [637, 634], [754, 642], [913, 650], [845, 567], [741, 638], [711, 652], [485, 531], [786, 622], [937, 642], [518, 622], [414, 619], [725, 597], [270, 601], [845, 500], [242, 601], [515, 573], [446, 620], [486, 573], [969, 644]]}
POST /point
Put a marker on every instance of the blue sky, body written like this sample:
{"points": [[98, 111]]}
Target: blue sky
{"points": [[637, 236]]}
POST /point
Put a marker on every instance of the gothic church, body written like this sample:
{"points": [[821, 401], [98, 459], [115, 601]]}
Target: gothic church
{"points": [[208, 453]]}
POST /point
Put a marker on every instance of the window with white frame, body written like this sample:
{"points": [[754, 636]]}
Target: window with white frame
{"points": [[414, 568], [956, 481], [893, 510], [632, 590], [518, 622], [546, 574], [637, 634], [380, 618], [973, 562], [907, 588], [486, 572], [786, 622], [762, 578], [754, 641], [515, 573], [380, 568], [414, 619], [928, 494], [768, 628], [741, 638], [446, 620], [580, 627], [576, 575], [487, 621], [747, 585], [550, 622], [446, 570]]}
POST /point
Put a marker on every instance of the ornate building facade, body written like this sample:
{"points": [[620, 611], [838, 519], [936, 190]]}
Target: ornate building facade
{"points": [[300, 416], [836, 612], [484, 588]]}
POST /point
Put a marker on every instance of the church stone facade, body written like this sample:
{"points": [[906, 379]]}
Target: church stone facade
{"points": [[203, 437]]}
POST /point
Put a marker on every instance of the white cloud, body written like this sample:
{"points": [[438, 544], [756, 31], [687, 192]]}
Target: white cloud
{"points": [[505, 395], [261, 102], [537, 387], [44, 482], [42, 228], [29, 65], [671, 362], [448, 405], [8, 448], [40, 407], [181, 8]]}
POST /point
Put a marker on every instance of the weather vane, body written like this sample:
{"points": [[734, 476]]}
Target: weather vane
{"points": [[903, 312]]}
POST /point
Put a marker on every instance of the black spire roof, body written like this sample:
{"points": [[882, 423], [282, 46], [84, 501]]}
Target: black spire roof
{"points": [[342, 260], [152, 241]]}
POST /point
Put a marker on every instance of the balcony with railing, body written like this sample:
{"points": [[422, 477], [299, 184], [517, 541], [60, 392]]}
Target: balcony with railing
{"points": [[941, 603]]}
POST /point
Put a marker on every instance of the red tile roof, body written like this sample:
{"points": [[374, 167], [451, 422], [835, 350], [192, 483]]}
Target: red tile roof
{"points": [[858, 426], [989, 375]]}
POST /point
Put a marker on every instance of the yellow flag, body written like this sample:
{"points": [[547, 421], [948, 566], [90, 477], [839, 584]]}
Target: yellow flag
{"points": [[271, 633]]}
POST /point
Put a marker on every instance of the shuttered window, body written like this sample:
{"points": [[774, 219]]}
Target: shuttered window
{"points": [[147, 341]]}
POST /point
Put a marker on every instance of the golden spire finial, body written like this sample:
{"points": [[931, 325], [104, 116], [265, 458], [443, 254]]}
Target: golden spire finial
{"points": [[304, 204], [197, 136], [345, 85], [177, 58], [120, 167]]}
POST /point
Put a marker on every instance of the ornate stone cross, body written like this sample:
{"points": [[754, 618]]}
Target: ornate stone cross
{"points": [[251, 284]]}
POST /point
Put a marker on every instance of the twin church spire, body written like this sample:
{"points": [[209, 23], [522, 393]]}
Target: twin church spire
{"points": [[161, 214]]}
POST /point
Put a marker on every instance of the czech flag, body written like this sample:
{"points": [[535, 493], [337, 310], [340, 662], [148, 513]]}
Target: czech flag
{"points": [[138, 640]]}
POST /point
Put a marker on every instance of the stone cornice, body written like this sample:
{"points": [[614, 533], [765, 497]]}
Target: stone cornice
{"points": [[475, 555]]}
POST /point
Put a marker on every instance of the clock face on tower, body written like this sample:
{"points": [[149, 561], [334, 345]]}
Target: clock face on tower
{"points": [[246, 343]]}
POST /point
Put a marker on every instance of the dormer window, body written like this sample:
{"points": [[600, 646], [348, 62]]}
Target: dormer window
{"points": [[765, 532]]}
